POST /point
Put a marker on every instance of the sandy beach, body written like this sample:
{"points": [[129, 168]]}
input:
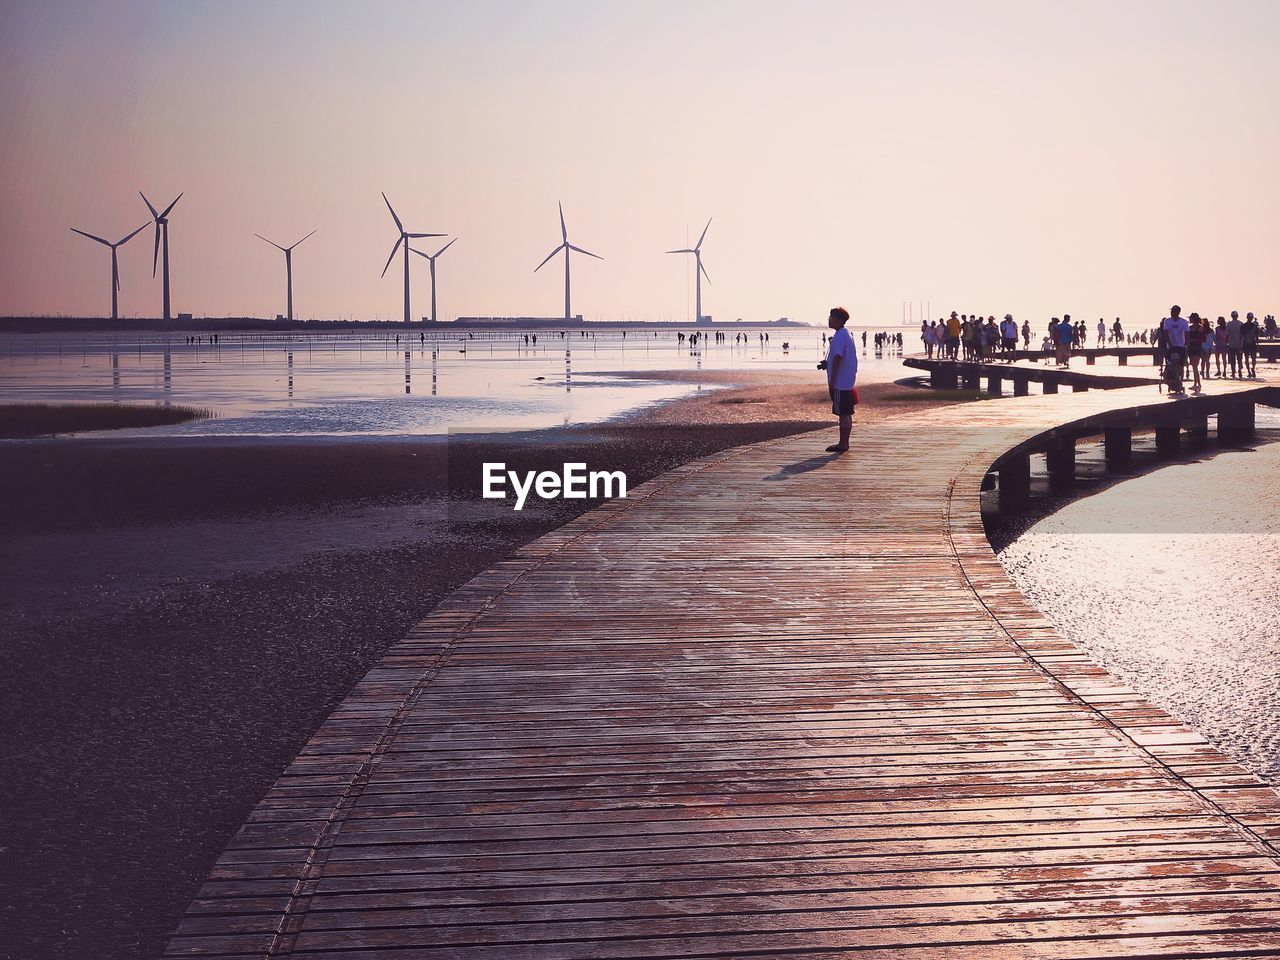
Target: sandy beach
{"points": [[183, 615]]}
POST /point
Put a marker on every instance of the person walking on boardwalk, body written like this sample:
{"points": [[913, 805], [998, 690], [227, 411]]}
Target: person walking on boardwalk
{"points": [[953, 335], [842, 373], [1249, 344], [1235, 345], [1220, 347], [1117, 331], [1064, 334], [1009, 335], [1102, 332], [1196, 332], [1026, 334], [1173, 331]]}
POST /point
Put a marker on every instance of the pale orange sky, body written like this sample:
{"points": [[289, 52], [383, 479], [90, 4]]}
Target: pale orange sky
{"points": [[1092, 158]]}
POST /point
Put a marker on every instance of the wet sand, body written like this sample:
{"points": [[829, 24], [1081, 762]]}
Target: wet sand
{"points": [[182, 615]]}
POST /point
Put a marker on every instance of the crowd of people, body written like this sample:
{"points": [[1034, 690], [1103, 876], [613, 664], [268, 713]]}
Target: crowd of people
{"points": [[1229, 349], [1197, 347]]}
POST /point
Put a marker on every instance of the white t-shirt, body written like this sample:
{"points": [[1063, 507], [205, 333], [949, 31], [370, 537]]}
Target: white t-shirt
{"points": [[842, 347], [1235, 335], [1176, 328]]}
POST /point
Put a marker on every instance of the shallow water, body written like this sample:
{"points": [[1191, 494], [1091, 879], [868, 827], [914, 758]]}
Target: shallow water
{"points": [[1172, 582], [327, 385]]}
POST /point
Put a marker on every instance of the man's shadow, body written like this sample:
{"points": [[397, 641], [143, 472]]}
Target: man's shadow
{"points": [[802, 466]]}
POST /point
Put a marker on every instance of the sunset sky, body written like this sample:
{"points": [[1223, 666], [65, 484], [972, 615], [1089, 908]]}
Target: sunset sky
{"points": [[1093, 158]]}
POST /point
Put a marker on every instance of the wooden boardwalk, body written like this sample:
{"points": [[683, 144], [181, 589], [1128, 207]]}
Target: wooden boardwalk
{"points": [[776, 704]]}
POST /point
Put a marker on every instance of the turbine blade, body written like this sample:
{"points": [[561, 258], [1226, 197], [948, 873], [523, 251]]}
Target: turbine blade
{"points": [[399, 225], [549, 256], [90, 236], [171, 206], [685, 250], [698, 245], [564, 231], [121, 243], [150, 206], [265, 240], [155, 256], [307, 237], [445, 247], [418, 236], [704, 271], [425, 256], [399, 240], [587, 252]]}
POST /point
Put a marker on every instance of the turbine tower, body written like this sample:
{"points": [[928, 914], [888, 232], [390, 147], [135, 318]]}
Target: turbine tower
{"points": [[566, 246], [431, 259], [162, 228], [115, 264], [288, 266], [700, 272], [404, 238]]}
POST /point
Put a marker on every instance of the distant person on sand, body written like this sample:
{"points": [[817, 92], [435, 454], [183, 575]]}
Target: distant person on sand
{"points": [[842, 372]]}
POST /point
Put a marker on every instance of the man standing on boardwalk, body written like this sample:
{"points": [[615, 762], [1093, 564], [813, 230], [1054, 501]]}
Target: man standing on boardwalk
{"points": [[1235, 345], [1064, 335], [842, 372]]}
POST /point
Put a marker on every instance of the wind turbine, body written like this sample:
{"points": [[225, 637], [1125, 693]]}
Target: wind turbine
{"points": [[162, 227], [115, 264], [566, 246], [404, 238], [431, 259], [700, 272], [288, 265]]}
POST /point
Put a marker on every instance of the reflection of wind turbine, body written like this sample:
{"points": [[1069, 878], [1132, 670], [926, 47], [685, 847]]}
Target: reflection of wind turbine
{"points": [[115, 264], [700, 272], [431, 259], [566, 246], [162, 230], [288, 266], [403, 238]]}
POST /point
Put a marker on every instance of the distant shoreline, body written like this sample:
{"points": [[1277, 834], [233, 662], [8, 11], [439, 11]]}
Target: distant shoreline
{"points": [[218, 324]]}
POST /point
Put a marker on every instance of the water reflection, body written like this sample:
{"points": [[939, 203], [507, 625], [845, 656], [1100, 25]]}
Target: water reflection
{"points": [[499, 382]]}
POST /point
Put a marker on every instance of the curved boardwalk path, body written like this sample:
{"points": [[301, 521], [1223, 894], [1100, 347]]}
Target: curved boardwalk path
{"points": [[775, 704]]}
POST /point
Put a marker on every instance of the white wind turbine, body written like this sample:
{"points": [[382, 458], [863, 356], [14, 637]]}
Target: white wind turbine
{"points": [[431, 259], [566, 246], [404, 238], [115, 264], [162, 240], [288, 266], [700, 272]]}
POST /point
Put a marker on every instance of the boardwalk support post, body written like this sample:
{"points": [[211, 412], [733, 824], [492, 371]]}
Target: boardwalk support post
{"points": [[1015, 479], [1198, 427], [1091, 359], [1236, 422], [1079, 388], [1049, 386], [972, 378], [1021, 386], [1123, 359], [943, 376], [995, 385], [1060, 457], [1118, 443], [1168, 439]]}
